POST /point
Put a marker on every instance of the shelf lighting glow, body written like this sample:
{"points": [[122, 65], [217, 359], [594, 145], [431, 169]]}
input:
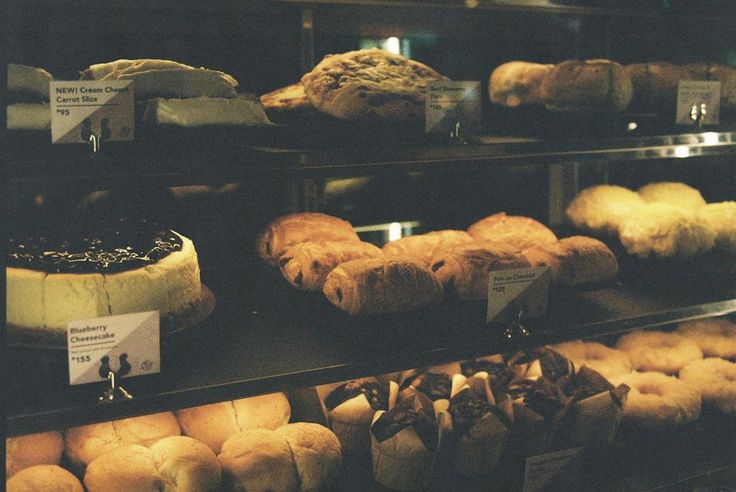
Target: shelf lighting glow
{"points": [[394, 231], [393, 45], [682, 151], [710, 138]]}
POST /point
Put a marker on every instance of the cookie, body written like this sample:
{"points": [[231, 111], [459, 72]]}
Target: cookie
{"points": [[289, 98], [370, 84]]}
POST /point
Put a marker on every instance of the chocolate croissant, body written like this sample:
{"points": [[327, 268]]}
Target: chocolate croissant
{"points": [[464, 270], [424, 246], [575, 260], [292, 229], [381, 285], [306, 265], [519, 232]]}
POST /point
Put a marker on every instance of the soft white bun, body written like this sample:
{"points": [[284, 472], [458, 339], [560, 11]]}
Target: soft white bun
{"points": [[85, 443], [606, 361], [215, 423], [317, 454], [716, 337], [659, 351], [663, 230], [721, 217], [715, 379], [678, 195], [43, 478], [603, 208], [659, 402], [43, 448], [176, 464]]}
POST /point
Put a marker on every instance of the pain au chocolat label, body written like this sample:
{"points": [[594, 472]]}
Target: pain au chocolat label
{"points": [[92, 109]]}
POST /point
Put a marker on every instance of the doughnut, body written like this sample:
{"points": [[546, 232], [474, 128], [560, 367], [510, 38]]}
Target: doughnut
{"points": [[602, 208], [677, 194], [716, 337], [715, 379], [659, 402], [606, 361], [658, 350]]}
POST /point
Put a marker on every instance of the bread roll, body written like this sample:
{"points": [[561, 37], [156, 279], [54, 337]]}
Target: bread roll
{"points": [[517, 83], [423, 247], [317, 454], [588, 85], [575, 260], [215, 423], [602, 208], [721, 217], [655, 86], [519, 232], [464, 270], [663, 230], [289, 230], [306, 265], [176, 464], [678, 195], [43, 478], [382, 285], [85, 443], [43, 448]]}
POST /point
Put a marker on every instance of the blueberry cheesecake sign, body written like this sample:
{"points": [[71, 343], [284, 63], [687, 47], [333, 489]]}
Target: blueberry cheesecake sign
{"points": [[92, 109]]}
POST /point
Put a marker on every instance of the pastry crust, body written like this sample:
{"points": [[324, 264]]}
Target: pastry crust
{"points": [[660, 351], [423, 247], [306, 265], [721, 217], [287, 99], [678, 195], [663, 230], [370, 84], [575, 260], [382, 285], [655, 85], [587, 85], [517, 83], [464, 270], [288, 230], [602, 208], [519, 232]]}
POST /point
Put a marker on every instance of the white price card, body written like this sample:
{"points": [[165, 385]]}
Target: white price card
{"points": [[514, 289], [698, 95], [556, 471], [82, 108], [127, 344], [450, 102]]}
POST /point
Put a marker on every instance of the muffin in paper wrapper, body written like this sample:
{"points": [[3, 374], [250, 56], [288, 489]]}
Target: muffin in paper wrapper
{"points": [[434, 382]]}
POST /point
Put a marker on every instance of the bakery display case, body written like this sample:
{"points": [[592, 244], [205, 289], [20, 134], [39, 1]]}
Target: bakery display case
{"points": [[220, 184]]}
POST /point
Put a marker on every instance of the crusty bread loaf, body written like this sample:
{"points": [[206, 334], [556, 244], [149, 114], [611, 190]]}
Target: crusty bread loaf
{"points": [[423, 247], [215, 423], [85, 443], [517, 83], [43, 448], [587, 85], [575, 260], [292, 229], [43, 478], [382, 285], [655, 86], [516, 231], [179, 463]]}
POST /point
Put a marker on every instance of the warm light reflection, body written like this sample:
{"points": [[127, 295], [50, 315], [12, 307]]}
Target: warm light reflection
{"points": [[710, 138], [632, 126], [682, 151], [394, 231], [393, 45]]}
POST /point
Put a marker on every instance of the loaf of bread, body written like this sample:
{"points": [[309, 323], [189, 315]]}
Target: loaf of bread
{"points": [[655, 86], [306, 265], [721, 217], [423, 247], [292, 229], [678, 195], [516, 231], [85, 443], [43, 448], [382, 285], [517, 83], [464, 270], [215, 423], [575, 260], [587, 85], [43, 478], [179, 464], [602, 208]]}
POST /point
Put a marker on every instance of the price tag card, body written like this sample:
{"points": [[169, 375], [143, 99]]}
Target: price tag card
{"points": [[696, 93], [127, 344], [519, 288], [449, 102], [560, 470], [82, 108]]}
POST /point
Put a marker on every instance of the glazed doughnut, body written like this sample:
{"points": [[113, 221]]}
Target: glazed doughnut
{"points": [[659, 351], [659, 402], [608, 362], [715, 379], [603, 208], [678, 195], [716, 337]]}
